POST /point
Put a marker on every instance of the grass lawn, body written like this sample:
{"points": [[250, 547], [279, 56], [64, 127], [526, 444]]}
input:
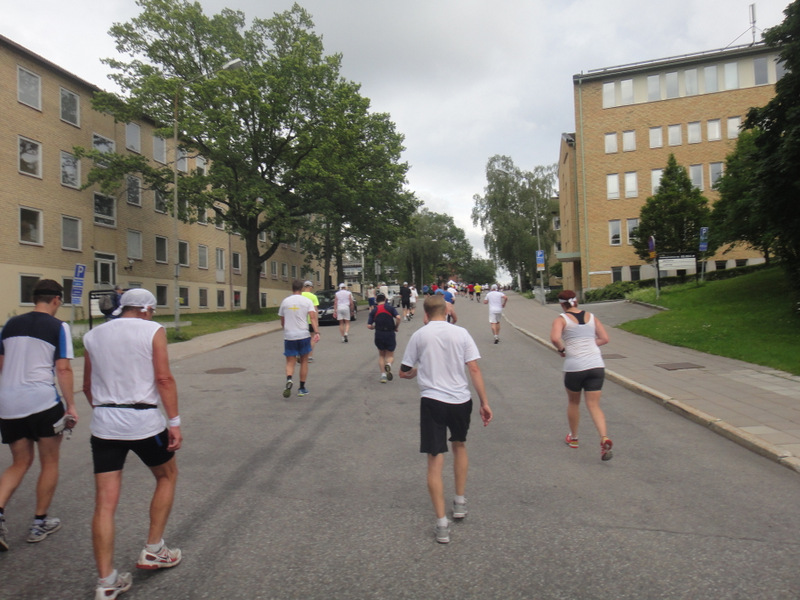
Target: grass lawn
{"points": [[749, 318]]}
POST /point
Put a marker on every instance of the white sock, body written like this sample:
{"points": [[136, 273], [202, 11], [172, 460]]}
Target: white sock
{"points": [[442, 522], [155, 547], [460, 499], [108, 581]]}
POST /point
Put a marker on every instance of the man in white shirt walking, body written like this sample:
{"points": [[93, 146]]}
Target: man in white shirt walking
{"points": [[343, 308], [497, 302]]}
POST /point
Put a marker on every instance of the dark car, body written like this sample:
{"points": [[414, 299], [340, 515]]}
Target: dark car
{"points": [[325, 308]]}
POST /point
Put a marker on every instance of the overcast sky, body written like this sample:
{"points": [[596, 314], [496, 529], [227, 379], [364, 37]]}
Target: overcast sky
{"points": [[462, 79]]}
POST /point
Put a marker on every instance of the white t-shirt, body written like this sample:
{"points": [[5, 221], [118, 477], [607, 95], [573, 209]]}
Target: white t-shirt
{"points": [[294, 309], [440, 351], [414, 295], [580, 342], [121, 353], [495, 301]]}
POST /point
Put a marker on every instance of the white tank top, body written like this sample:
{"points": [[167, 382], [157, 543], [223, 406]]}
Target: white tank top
{"points": [[582, 350], [121, 352]]}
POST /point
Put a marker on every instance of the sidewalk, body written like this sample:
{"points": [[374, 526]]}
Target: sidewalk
{"points": [[755, 406]]}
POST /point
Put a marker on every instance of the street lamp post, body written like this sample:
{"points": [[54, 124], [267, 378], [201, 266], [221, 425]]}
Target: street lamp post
{"points": [[231, 65]]}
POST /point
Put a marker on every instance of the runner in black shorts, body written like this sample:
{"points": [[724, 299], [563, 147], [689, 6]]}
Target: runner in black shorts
{"points": [[109, 455], [385, 321]]}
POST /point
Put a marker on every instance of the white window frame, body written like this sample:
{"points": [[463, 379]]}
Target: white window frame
{"points": [[159, 149], [672, 89], [629, 141], [631, 184], [694, 132], [134, 244], [202, 298], [653, 88], [655, 180], [25, 94], [183, 253], [656, 137], [612, 186], [219, 259], [27, 146], [103, 144], [274, 269], [201, 165], [159, 207], [100, 218], [163, 243], [202, 256], [183, 160], [236, 262], [133, 137], [611, 143], [70, 168], [690, 82], [78, 225], [731, 79], [711, 79], [714, 130], [626, 92], [734, 126], [133, 190], [630, 225], [715, 171], [202, 216], [675, 135], [696, 176], [37, 238], [609, 94], [760, 71], [65, 93], [614, 224]]}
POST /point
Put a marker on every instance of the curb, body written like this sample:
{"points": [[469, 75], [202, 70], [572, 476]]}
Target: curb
{"points": [[718, 426]]}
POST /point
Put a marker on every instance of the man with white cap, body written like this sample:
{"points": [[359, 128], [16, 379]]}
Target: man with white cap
{"points": [[126, 376], [497, 302], [307, 287], [343, 307]]}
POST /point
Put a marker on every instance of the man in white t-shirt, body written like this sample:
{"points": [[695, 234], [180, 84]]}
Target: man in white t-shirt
{"points": [[343, 307], [295, 310], [126, 375], [436, 354], [497, 302]]}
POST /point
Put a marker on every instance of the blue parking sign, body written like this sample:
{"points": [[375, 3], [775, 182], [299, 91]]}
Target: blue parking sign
{"points": [[77, 284]]}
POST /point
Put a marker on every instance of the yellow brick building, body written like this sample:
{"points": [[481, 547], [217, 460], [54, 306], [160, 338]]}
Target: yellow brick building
{"points": [[628, 120], [49, 224]]}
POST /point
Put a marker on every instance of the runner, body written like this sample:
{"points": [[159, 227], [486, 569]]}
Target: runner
{"points": [[294, 312], [385, 321], [343, 307], [497, 302]]}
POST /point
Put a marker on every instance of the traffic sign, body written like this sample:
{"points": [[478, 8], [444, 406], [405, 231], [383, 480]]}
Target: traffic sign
{"points": [[77, 284], [703, 239], [540, 260]]}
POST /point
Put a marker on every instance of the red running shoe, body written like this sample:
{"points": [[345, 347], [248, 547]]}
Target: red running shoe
{"points": [[605, 449], [572, 442]]}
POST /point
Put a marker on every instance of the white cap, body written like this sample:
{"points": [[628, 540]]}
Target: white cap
{"points": [[494, 286], [308, 284], [342, 286], [138, 297]]}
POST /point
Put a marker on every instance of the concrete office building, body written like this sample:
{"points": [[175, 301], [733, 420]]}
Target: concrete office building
{"points": [[628, 120], [49, 224]]}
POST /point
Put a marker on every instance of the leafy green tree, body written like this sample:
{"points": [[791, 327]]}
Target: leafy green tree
{"points": [[777, 180], [674, 215], [479, 269], [738, 216], [280, 134], [514, 207]]}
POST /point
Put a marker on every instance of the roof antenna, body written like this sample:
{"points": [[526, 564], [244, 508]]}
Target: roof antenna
{"points": [[753, 21]]}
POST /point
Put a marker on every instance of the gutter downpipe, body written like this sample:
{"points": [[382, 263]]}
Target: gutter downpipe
{"points": [[587, 283]]}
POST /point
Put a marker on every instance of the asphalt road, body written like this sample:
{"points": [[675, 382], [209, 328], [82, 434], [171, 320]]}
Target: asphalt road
{"points": [[324, 496]]}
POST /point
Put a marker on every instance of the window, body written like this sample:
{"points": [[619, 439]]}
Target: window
{"points": [[715, 171], [183, 161], [202, 297], [616, 274], [628, 141], [202, 216], [731, 76], [162, 249], [30, 226], [70, 108], [711, 80], [760, 72], [263, 271], [635, 272], [218, 222], [237, 299], [105, 210], [26, 285], [161, 295], [262, 237], [160, 149], [105, 268], [631, 225], [294, 271], [780, 69], [714, 130], [653, 88], [30, 157], [612, 186], [696, 175], [220, 259], [656, 137], [263, 299], [284, 271], [29, 88], [183, 253], [183, 296], [557, 223], [236, 262], [200, 165], [655, 179], [671, 80], [220, 298], [70, 170], [690, 82], [274, 269], [693, 133], [609, 99], [611, 143], [741, 262], [66, 283], [674, 136], [734, 123], [134, 244], [160, 202], [720, 265], [631, 185], [102, 144], [133, 137], [202, 256], [626, 92], [70, 233], [134, 190], [614, 232]]}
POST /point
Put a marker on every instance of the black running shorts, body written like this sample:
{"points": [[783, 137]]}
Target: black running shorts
{"points": [[109, 455], [436, 418]]}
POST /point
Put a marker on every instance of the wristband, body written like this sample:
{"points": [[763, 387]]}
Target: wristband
{"points": [[175, 421]]}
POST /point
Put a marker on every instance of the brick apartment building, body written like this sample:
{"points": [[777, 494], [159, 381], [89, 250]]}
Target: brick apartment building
{"points": [[49, 224], [628, 120]]}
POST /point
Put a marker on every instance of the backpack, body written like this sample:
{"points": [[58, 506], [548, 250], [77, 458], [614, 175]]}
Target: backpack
{"points": [[106, 304], [383, 319]]}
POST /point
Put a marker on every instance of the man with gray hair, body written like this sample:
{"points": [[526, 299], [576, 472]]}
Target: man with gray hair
{"points": [[126, 376], [497, 302]]}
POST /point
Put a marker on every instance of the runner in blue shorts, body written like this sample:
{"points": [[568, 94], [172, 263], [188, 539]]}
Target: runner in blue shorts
{"points": [[295, 312]]}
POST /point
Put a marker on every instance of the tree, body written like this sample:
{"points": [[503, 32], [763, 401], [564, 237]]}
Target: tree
{"points": [[514, 208], [738, 216], [777, 179], [278, 134], [674, 215], [479, 269]]}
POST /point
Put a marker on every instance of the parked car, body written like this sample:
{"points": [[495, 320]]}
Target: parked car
{"points": [[325, 308]]}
